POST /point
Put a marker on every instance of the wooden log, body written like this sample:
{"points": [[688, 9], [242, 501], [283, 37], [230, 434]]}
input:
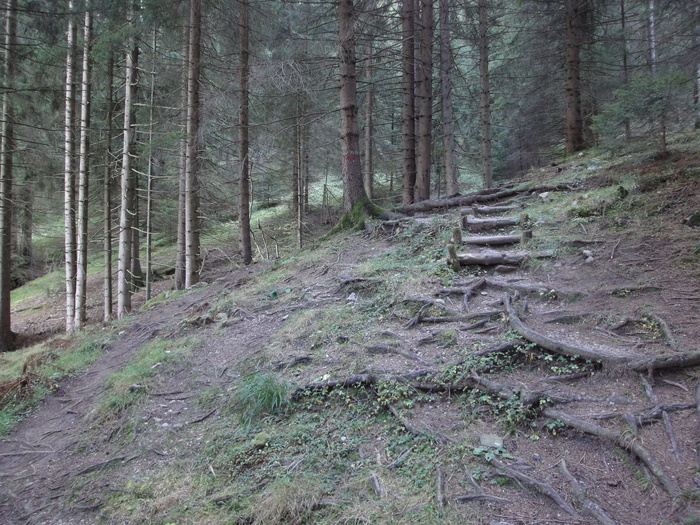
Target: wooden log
{"points": [[493, 258], [488, 195], [469, 222], [498, 240], [494, 210]]}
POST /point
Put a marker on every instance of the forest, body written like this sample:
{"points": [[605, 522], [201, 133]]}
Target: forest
{"points": [[130, 125]]}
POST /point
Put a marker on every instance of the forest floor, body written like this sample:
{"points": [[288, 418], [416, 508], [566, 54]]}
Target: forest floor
{"points": [[400, 400]]}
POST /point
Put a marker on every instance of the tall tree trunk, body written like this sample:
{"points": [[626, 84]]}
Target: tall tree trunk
{"points": [[651, 29], [696, 83], [485, 98], [574, 34], [136, 273], [368, 179], [424, 148], [353, 187], [192, 160], [7, 337], [298, 173], [151, 167], [408, 109], [448, 125], [625, 59], [83, 175], [244, 181], [126, 212], [181, 226], [69, 169], [26, 220], [107, 194]]}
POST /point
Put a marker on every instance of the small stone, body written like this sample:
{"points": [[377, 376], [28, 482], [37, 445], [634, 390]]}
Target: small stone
{"points": [[491, 440], [589, 260], [587, 253], [352, 297]]}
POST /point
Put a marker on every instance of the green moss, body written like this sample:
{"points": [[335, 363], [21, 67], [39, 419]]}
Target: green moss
{"points": [[354, 220]]}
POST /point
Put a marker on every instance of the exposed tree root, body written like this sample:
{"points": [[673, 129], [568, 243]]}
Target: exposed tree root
{"points": [[665, 330], [626, 441], [479, 493], [645, 364], [453, 319], [555, 346], [417, 431], [362, 380], [539, 486], [664, 415], [590, 506]]}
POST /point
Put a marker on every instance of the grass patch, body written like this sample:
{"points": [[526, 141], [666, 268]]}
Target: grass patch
{"points": [[28, 375], [126, 386]]}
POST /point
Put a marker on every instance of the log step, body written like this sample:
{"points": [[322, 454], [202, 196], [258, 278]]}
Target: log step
{"points": [[491, 257], [498, 240], [472, 223]]}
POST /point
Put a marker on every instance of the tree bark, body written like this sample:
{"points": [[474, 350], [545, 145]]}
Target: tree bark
{"points": [[369, 124], [179, 277], [244, 181], [7, 337], [424, 147], [83, 175], [574, 34], [107, 194], [151, 168], [191, 160], [353, 187], [448, 131], [69, 170], [127, 180], [408, 111], [485, 97]]}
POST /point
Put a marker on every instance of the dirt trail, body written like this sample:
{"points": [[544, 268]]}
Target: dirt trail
{"points": [[38, 460]]}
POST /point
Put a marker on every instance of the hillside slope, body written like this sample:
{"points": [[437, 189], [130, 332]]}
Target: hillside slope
{"points": [[365, 381]]}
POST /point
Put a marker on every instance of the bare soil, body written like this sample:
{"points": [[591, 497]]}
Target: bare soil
{"points": [[639, 267]]}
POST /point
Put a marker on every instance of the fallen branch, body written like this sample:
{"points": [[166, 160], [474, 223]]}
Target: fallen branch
{"points": [[376, 484], [626, 441], [479, 492], [539, 486], [469, 222], [590, 506]]}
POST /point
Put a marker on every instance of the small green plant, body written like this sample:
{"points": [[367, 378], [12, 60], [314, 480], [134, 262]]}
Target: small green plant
{"points": [[262, 393], [488, 453]]}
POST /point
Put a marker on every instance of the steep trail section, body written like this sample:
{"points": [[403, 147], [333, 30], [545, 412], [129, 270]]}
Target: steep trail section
{"points": [[40, 457]]}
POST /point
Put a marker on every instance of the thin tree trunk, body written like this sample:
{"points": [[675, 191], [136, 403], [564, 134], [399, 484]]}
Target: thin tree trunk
{"points": [[408, 111], [83, 175], [574, 122], [107, 194], [127, 180], [696, 83], [151, 166], [136, 273], [244, 155], [368, 179], [448, 126], [192, 161], [424, 147], [485, 99], [69, 170], [7, 337], [353, 187]]}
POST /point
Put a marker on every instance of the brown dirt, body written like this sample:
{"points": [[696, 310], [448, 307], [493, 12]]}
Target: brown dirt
{"points": [[44, 462]]}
